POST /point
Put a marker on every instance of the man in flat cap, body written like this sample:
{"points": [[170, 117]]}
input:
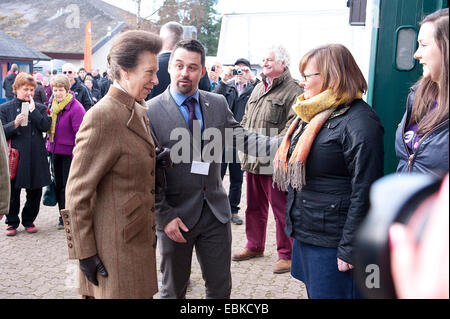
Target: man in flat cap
{"points": [[237, 91]]}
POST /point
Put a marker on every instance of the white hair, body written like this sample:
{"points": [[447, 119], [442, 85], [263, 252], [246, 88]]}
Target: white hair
{"points": [[69, 65], [281, 54]]}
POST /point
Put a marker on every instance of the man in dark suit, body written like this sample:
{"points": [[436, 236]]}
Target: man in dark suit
{"points": [[170, 33], [194, 210]]}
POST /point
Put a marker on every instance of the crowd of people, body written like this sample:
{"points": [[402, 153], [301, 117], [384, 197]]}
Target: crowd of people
{"points": [[328, 151]]}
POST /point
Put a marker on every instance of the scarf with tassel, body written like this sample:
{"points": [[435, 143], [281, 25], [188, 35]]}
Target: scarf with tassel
{"points": [[56, 108], [314, 111]]}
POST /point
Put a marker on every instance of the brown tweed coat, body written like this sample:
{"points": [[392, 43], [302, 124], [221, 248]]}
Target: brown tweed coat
{"points": [[110, 198]]}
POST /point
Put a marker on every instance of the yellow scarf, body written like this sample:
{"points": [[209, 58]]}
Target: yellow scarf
{"points": [[56, 108], [314, 111]]}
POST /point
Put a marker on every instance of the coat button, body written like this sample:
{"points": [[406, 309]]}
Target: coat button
{"points": [[152, 173], [67, 222], [154, 227], [70, 245], [66, 216], [152, 191], [69, 237], [68, 230], [153, 209]]}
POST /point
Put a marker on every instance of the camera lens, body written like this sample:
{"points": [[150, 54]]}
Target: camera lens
{"points": [[237, 72]]}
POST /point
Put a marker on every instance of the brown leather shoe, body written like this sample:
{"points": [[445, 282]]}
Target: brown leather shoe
{"points": [[245, 254], [282, 266]]}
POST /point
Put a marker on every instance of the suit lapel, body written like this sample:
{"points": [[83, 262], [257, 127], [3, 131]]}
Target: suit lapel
{"points": [[206, 110], [172, 111]]}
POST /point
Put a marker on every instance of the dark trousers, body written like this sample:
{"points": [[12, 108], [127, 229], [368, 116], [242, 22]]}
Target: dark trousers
{"points": [[236, 179], [212, 242], [61, 167], [29, 211]]}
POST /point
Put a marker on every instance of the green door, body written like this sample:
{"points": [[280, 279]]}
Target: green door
{"points": [[393, 69]]}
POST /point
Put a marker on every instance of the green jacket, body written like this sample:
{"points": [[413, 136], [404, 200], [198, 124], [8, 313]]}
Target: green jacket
{"points": [[269, 113]]}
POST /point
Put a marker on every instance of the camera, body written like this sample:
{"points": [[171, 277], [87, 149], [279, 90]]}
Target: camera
{"points": [[393, 199], [213, 68], [237, 72]]}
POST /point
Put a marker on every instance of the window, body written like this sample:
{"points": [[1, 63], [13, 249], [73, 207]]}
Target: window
{"points": [[357, 12], [405, 47]]}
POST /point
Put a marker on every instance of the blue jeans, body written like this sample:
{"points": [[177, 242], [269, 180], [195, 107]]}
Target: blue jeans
{"points": [[317, 268]]}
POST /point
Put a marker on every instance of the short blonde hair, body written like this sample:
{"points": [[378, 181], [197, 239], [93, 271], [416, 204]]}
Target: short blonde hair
{"points": [[23, 79], [59, 81]]}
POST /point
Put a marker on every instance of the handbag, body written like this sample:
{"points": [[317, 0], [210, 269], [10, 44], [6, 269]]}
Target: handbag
{"points": [[13, 160], [49, 198]]}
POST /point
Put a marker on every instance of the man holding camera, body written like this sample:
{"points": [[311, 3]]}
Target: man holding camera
{"points": [[268, 111], [237, 91], [214, 74]]}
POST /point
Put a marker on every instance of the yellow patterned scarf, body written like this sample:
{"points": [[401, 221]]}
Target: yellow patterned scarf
{"points": [[56, 108], [314, 111]]}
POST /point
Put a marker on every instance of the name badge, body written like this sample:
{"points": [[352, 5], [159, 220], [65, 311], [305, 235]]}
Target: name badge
{"points": [[200, 168]]}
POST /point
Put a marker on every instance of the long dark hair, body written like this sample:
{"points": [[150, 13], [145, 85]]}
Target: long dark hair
{"points": [[429, 91]]}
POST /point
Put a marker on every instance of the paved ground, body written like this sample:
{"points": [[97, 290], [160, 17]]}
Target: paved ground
{"points": [[36, 266]]}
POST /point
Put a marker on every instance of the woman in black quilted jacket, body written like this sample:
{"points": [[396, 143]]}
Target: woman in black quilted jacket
{"points": [[327, 161]]}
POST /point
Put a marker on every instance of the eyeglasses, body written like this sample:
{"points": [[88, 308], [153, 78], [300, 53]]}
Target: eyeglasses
{"points": [[306, 76], [67, 72]]}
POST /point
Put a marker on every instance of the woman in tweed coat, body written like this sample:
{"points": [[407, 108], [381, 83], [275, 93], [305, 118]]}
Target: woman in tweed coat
{"points": [[109, 218]]}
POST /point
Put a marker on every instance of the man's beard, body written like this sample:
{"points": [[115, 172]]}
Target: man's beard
{"points": [[184, 89]]}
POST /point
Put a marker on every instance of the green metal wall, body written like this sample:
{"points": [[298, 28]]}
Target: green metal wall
{"points": [[390, 86]]}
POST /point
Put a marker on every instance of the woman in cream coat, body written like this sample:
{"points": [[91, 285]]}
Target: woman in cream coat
{"points": [[109, 220]]}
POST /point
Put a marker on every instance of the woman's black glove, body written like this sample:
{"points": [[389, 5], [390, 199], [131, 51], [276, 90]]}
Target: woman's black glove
{"points": [[163, 162], [163, 157], [90, 266]]}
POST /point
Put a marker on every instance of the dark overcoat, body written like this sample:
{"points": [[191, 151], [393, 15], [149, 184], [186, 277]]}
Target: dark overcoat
{"points": [[33, 171]]}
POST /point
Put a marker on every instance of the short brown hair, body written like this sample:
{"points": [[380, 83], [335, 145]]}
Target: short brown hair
{"points": [[338, 69], [127, 48], [191, 45], [59, 81], [23, 79]]}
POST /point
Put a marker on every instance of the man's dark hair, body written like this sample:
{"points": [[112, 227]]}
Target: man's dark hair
{"points": [[193, 46]]}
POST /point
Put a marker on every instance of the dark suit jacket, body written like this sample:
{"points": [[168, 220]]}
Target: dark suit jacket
{"points": [[185, 191], [162, 74]]}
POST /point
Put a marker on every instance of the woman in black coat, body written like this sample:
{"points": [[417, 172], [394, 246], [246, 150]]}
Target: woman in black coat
{"points": [[26, 136], [327, 162]]}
